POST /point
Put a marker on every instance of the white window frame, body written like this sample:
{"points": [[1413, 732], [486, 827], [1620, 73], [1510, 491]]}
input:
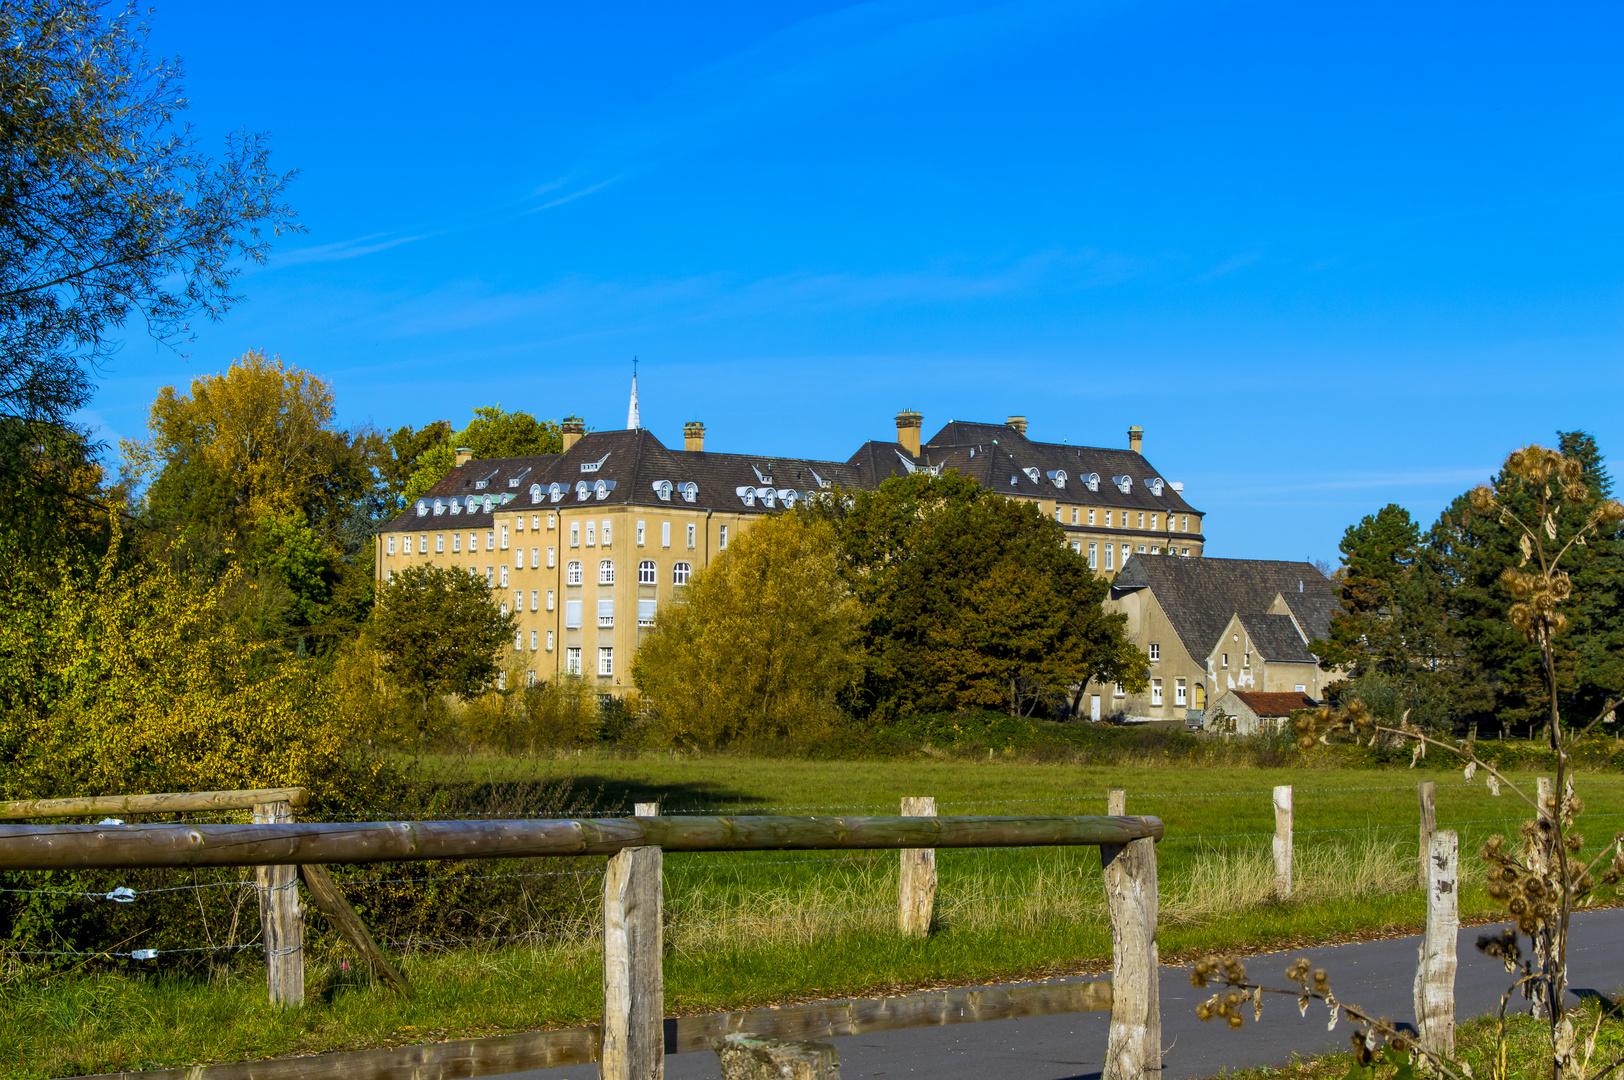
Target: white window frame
{"points": [[535, 599], [681, 572], [606, 611], [504, 575], [648, 572], [549, 641], [1110, 551], [691, 532], [606, 572], [551, 556], [572, 572], [606, 660], [721, 538], [592, 534], [504, 536], [1093, 555], [575, 534], [1155, 652], [391, 546], [1181, 692], [1155, 692], [1091, 517], [604, 534], [439, 543], [490, 539], [549, 599], [572, 660], [640, 532]]}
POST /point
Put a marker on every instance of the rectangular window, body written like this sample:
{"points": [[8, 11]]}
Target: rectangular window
{"points": [[552, 522], [1184, 523], [572, 614], [551, 555], [518, 558], [1153, 519], [549, 641], [535, 600], [1077, 546], [535, 558], [1180, 696], [518, 641], [640, 532], [1155, 550], [1300, 688], [504, 575], [1108, 519], [1110, 551], [406, 544], [391, 545], [1246, 658], [504, 538], [1074, 515], [1141, 519], [1119, 691], [490, 576], [1057, 513], [533, 640], [575, 534], [504, 608], [473, 542], [605, 532], [606, 612], [1141, 549], [1155, 691], [1155, 651], [665, 534], [690, 536], [591, 534], [490, 539], [549, 599], [606, 661], [1093, 556], [572, 661], [645, 612], [439, 542], [721, 538], [1184, 552], [518, 523], [1091, 517], [518, 599], [1225, 663]]}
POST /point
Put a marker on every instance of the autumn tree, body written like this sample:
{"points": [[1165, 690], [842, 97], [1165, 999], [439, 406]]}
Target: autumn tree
{"points": [[493, 433], [971, 599], [109, 208], [439, 633], [760, 645]]}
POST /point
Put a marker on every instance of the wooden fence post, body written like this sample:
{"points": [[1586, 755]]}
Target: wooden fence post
{"points": [[281, 920], [1429, 825], [916, 885], [1435, 975], [633, 981], [1282, 841], [1134, 1049]]}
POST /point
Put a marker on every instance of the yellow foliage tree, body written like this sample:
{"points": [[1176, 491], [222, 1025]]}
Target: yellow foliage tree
{"points": [[138, 682], [762, 643]]}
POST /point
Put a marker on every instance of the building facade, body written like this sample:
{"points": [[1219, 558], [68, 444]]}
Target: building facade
{"points": [[1213, 625], [587, 545]]}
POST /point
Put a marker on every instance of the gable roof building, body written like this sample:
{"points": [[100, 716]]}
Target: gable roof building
{"points": [[1213, 625]]}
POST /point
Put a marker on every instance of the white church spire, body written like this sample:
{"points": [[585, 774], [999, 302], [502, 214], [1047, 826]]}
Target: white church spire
{"points": [[633, 421]]}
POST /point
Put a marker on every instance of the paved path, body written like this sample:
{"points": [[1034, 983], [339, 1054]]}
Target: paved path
{"points": [[1377, 975]]}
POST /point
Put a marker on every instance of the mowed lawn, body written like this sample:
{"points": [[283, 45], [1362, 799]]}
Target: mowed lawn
{"points": [[766, 927]]}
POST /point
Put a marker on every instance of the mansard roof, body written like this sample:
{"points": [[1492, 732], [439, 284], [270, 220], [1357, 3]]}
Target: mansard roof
{"points": [[635, 468], [1199, 596]]}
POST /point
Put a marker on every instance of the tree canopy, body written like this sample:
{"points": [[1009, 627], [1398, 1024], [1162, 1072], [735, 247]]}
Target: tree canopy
{"points": [[493, 433], [108, 207], [762, 644], [439, 632]]}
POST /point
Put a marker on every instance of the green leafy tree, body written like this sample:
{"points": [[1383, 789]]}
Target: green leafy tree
{"points": [[493, 433], [110, 208], [405, 446], [971, 599], [439, 633], [1368, 633], [762, 643]]}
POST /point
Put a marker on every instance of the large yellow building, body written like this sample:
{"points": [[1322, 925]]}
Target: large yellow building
{"points": [[586, 545]]}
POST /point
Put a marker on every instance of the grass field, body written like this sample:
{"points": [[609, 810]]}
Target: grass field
{"points": [[755, 928]]}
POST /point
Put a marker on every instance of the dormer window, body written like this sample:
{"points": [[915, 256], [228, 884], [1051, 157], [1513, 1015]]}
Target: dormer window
{"points": [[513, 481], [581, 491], [1058, 478], [555, 492], [1092, 480], [788, 497], [456, 507], [1155, 486], [747, 495], [1031, 474], [439, 507], [1124, 484], [487, 504], [422, 508], [535, 494], [662, 489], [602, 489], [768, 496], [690, 491]]}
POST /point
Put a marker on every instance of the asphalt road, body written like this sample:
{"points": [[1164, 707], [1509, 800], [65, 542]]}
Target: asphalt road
{"points": [[1377, 975]]}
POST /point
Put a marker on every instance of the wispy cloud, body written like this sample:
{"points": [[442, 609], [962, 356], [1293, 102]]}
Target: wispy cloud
{"points": [[1417, 478], [572, 196], [346, 249]]}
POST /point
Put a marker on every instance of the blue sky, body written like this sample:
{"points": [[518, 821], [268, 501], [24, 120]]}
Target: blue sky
{"points": [[1327, 256]]}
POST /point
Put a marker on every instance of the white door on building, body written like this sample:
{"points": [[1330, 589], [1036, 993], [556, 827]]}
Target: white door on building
{"points": [[1094, 707]]}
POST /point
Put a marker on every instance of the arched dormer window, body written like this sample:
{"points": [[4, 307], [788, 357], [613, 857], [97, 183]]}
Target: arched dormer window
{"points": [[1057, 477], [601, 489], [471, 504], [1124, 484], [690, 491], [581, 491], [1031, 474], [456, 507], [555, 492], [487, 505], [535, 493], [1155, 486], [422, 508], [1092, 480], [747, 495], [439, 507], [662, 489], [769, 497], [788, 496]]}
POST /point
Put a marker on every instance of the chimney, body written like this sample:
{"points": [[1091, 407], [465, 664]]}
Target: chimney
{"points": [[908, 427], [1018, 423], [464, 454], [1136, 439], [572, 429], [693, 435]]}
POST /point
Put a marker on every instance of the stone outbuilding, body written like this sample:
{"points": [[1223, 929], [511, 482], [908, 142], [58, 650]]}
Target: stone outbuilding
{"points": [[1255, 712]]}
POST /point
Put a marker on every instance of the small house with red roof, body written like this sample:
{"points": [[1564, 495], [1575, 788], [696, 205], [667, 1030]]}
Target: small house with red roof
{"points": [[1256, 712]]}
